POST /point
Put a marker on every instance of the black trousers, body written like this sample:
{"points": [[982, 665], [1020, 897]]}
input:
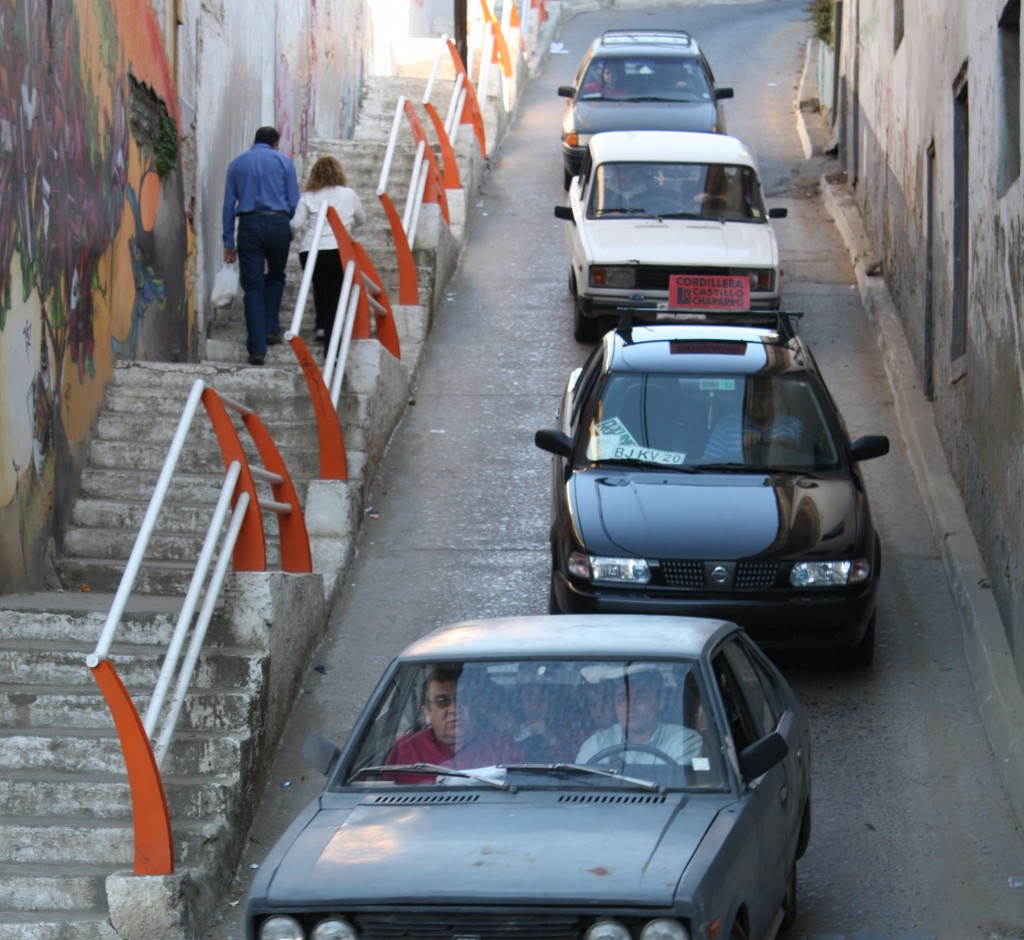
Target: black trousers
{"points": [[327, 279]]}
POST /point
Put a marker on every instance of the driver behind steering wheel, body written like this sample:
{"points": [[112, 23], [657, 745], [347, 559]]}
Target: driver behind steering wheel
{"points": [[638, 698]]}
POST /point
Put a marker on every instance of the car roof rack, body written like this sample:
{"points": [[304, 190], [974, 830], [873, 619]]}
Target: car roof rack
{"points": [[646, 35], [784, 322]]}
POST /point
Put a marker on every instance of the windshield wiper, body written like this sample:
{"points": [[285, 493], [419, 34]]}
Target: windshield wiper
{"points": [[685, 215], [736, 467], [644, 464], [585, 769], [619, 210], [431, 769]]}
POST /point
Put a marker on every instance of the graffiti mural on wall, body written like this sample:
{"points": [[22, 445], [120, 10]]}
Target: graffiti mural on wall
{"points": [[94, 243]]}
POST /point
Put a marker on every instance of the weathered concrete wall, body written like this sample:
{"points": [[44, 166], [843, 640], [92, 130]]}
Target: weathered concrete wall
{"points": [[119, 121], [897, 142]]}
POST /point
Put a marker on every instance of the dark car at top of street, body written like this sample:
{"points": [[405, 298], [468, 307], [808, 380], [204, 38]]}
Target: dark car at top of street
{"points": [[572, 778], [704, 468], [639, 79]]}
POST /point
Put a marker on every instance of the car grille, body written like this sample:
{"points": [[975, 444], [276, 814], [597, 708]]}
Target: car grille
{"points": [[655, 277], [748, 575], [462, 925]]}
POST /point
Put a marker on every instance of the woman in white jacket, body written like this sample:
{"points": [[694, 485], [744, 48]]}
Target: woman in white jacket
{"points": [[326, 183]]}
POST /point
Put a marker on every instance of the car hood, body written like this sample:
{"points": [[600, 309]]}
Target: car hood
{"points": [[681, 241], [594, 117], [713, 516], [463, 846]]}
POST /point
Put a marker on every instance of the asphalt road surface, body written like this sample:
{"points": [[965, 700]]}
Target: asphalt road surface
{"points": [[913, 836]]}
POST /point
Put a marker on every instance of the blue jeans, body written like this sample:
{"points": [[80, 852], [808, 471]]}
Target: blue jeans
{"points": [[262, 242]]}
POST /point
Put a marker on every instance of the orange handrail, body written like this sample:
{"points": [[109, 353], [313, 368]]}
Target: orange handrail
{"points": [[151, 820], [471, 113], [434, 191]]}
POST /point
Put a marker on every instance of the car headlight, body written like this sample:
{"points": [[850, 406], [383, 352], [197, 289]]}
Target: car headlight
{"points": [[334, 928], [606, 929], [664, 928], [600, 568], [623, 276], [830, 573], [761, 279], [281, 927]]}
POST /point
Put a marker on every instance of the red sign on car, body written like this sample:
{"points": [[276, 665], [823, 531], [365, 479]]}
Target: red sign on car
{"points": [[708, 292]]}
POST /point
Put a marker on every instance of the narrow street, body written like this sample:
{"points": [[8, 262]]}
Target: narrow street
{"points": [[913, 835]]}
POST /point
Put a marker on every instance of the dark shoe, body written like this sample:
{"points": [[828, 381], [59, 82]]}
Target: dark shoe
{"points": [[255, 360], [273, 339]]}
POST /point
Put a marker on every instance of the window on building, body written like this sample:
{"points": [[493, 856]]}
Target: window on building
{"points": [[961, 219], [1009, 95]]}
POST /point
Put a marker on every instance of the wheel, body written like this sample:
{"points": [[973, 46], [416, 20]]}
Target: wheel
{"points": [[864, 652], [553, 607], [584, 328], [789, 906], [625, 746]]}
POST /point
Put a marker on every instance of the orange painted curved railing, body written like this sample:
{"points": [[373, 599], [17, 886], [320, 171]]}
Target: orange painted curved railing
{"points": [[296, 556], [434, 191], [151, 821], [451, 167], [501, 53], [408, 279], [333, 462], [471, 113], [250, 553]]}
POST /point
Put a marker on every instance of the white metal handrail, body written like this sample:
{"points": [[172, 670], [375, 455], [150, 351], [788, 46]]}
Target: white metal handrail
{"points": [[211, 542], [307, 272]]}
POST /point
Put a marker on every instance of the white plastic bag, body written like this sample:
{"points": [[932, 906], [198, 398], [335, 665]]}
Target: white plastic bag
{"points": [[225, 286]]}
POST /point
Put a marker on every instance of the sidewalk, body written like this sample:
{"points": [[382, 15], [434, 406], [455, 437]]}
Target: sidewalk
{"points": [[989, 660]]}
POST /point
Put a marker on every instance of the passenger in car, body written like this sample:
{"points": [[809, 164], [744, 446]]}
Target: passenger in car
{"points": [[734, 435], [608, 83], [639, 733], [452, 737]]}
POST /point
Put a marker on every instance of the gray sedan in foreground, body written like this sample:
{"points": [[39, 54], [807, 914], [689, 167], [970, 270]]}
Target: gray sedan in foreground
{"points": [[590, 777]]}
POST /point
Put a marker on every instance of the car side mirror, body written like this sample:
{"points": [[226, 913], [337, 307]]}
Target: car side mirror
{"points": [[554, 442], [869, 447], [779, 212], [761, 756], [721, 93], [320, 753], [566, 91], [564, 213]]}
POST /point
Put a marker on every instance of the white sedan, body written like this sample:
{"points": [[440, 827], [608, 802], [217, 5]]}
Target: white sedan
{"points": [[666, 222]]}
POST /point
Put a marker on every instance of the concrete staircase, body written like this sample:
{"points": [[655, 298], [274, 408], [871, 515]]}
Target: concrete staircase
{"points": [[65, 806]]}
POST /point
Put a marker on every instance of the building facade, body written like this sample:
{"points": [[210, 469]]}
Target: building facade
{"points": [[928, 124]]}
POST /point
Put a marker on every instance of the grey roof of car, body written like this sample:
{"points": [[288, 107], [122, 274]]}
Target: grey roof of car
{"points": [[582, 635]]}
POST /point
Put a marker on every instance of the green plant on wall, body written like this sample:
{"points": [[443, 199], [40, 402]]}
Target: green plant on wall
{"points": [[822, 14]]}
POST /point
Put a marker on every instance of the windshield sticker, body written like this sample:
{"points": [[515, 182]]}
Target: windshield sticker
{"points": [[646, 455], [718, 385], [611, 432], [612, 440]]}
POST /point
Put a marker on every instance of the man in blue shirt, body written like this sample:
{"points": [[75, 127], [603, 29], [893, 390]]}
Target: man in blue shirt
{"points": [[262, 192]]}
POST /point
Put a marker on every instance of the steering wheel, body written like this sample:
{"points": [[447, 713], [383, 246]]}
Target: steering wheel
{"points": [[625, 746]]}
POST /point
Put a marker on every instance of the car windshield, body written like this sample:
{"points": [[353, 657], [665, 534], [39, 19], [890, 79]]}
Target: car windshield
{"points": [[682, 190], [645, 77], [769, 423], [565, 723]]}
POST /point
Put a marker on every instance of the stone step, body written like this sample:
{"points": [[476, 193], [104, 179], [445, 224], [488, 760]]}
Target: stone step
{"points": [[104, 575], [303, 463], [62, 663], [114, 545], [88, 751], [58, 925], [175, 380], [156, 429], [29, 706], [188, 488], [30, 887], [176, 516], [29, 841], [83, 616], [42, 793]]}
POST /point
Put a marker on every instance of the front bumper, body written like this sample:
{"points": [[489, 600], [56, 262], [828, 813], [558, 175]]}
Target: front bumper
{"points": [[834, 620]]}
